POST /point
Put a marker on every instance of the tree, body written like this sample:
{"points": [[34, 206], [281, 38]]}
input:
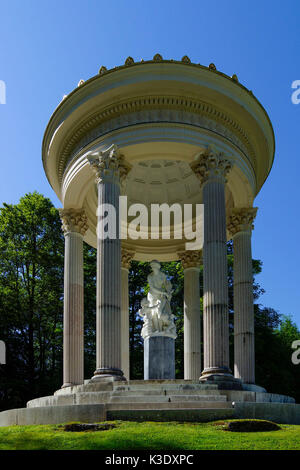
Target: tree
{"points": [[31, 288], [31, 300]]}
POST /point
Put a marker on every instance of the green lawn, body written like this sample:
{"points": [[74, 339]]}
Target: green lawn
{"points": [[150, 436]]}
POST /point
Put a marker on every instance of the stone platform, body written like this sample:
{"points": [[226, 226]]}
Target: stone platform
{"points": [[159, 358], [158, 400]]}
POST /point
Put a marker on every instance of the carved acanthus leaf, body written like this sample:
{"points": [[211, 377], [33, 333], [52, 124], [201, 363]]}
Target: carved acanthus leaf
{"points": [[190, 258], [126, 258], [211, 164], [108, 165], [73, 220], [241, 220]]}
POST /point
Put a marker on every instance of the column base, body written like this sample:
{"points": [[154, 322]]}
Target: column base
{"points": [[221, 377], [67, 384], [108, 375]]}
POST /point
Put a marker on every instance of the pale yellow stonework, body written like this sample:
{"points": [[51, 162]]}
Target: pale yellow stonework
{"points": [[163, 131]]}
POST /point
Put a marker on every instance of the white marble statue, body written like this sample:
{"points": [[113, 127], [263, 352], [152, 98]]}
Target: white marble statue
{"points": [[155, 309]]}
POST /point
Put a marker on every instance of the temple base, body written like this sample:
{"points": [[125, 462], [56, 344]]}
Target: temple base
{"points": [[159, 358], [154, 400]]}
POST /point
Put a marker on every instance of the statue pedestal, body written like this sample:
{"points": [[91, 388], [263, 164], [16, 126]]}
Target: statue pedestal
{"points": [[159, 358]]}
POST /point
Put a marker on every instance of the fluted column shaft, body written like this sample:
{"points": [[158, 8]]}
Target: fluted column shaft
{"points": [[74, 226], [240, 225], [244, 357], [215, 284], [73, 310], [192, 324], [191, 260], [108, 169], [211, 167], [108, 313]]}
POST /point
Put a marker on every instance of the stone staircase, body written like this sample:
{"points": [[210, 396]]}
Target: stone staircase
{"points": [[153, 400], [144, 399], [166, 396], [163, 401]]}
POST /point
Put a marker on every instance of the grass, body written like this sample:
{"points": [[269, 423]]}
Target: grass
{"points": [[149, 436]]}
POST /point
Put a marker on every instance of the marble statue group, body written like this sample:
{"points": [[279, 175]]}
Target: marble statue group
{"points": [[155, 308]]}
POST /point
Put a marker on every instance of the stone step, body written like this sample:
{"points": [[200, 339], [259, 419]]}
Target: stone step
{"points": [[167, 398], [168, 406], [86, 398], [162, 387], [91, 387], [140, 385], [169, 392], [162, 382], [179, 415]]}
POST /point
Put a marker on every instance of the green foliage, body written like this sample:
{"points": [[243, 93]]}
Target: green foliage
{"points": [[31, 286]]}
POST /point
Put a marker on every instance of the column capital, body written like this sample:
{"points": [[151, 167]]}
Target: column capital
{"points": [[241, 220], [73, 220], [109, 166], [211, 164], [126, 257], [190, 258]]}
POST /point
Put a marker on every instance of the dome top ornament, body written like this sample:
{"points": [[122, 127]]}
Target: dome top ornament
{"points": [[186, 59], [102, 70], [129, 61], [157, 58]]}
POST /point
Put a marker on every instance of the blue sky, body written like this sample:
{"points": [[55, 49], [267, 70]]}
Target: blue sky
{"points": [[46, 47]]}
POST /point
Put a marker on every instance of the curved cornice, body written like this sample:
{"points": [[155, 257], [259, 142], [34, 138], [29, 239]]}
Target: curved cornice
{"points": [[157, 59], [96, 105], [144, 103]]}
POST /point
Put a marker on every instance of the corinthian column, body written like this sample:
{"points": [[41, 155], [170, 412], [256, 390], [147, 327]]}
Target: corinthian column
{"points": [[126, 257], [240, 226], [191, 261], [211, 168], [74, 225], [110, 168]]}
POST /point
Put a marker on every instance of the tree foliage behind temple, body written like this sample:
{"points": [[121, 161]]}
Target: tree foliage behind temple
{"points": [[31, 286], [31, 310]]}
